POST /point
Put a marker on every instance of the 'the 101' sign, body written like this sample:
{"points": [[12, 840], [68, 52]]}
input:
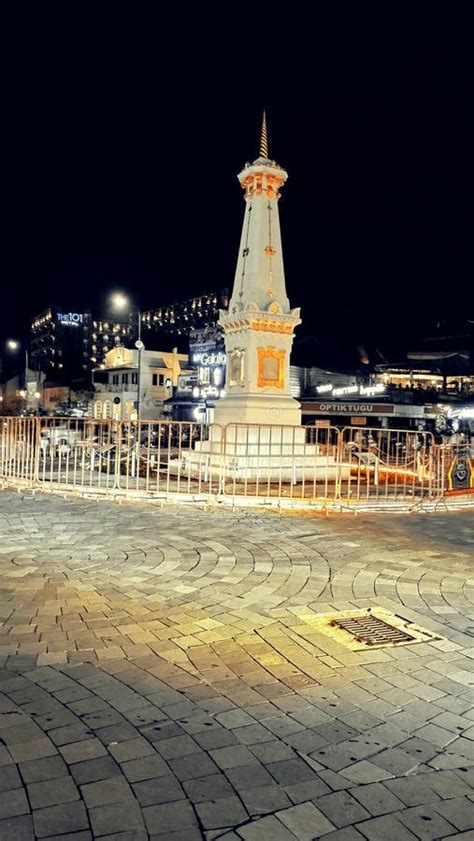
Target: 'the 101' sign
{"points": [[70, 318]]}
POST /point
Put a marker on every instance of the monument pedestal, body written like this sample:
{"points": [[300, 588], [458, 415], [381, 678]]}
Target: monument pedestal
{"points": [[258, 410], [269, 453]]}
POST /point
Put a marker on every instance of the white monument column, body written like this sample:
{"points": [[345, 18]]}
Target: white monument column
{"points": [[259, 323]]}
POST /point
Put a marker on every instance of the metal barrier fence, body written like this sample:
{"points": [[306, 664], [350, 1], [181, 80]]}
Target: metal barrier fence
{"points": [[18, 448], [166, 459], [388, 463]]}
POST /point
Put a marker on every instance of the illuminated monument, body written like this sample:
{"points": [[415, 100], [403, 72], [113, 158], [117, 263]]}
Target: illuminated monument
{"points": [[257, 432], [259, 323]]}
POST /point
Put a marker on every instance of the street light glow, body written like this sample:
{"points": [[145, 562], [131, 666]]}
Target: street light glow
{"points": [[120, 301], [13, 344]]}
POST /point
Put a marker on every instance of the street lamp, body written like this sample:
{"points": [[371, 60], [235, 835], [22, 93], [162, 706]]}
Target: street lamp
{"points": [[121, 302], [14, 345]]}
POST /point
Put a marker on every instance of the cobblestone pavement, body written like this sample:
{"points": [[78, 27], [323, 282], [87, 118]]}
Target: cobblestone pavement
{"points": [[161, 675]]}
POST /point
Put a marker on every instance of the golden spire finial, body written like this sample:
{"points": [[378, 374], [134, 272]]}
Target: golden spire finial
{"points": [[263, 138]]}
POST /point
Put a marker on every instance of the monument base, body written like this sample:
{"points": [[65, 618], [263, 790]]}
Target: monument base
{"points": [[258, 409], [263, 453]]}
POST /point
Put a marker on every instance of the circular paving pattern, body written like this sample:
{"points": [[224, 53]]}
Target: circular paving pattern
{"points": [[163, 676]]}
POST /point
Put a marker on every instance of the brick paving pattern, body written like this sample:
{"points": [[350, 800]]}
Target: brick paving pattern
{"points": [[161, 676]]}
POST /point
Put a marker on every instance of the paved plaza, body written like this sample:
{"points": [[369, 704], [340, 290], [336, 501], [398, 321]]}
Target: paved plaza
{"points": [[162, 675]]}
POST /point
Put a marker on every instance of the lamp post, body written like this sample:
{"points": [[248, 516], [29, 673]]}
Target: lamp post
{"points": [[121, 302], [14, 345]]}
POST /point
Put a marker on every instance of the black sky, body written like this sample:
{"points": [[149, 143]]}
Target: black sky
{"points": [[123, 134]]}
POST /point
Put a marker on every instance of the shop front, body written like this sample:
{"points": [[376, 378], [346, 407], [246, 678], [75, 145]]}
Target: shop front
{"points": [[366, 413], [197, 392]]}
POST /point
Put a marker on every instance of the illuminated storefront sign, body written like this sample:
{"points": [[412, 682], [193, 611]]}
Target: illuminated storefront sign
{"points": [[70, 318], [208, 391], [186, 383], [214, 358], [363, 390], [205, 339], [207, 353], [462, 412], [349, 408]]}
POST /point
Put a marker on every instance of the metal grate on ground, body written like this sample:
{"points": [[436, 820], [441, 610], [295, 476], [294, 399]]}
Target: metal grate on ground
{"points": [[372, 631], [361, 630]]}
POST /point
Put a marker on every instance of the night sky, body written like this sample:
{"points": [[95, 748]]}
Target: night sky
{"points": [[123, 135]]}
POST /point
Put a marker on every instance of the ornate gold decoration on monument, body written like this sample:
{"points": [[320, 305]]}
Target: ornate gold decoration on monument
{"points": [[270, 367]]}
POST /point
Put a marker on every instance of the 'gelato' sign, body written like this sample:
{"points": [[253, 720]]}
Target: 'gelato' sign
{"points": [[216, 358]]}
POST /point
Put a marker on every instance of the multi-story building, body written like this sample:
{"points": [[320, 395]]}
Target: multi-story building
{"points": [[67, 346], [181, 317], [107, 335], [116, 383]]}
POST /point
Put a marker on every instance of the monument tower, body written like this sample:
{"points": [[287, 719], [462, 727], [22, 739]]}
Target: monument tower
{"points": [[259, 324], [257, 433]]}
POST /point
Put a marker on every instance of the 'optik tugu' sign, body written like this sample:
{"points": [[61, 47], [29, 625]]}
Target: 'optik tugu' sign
{"points": [[349, 408]]}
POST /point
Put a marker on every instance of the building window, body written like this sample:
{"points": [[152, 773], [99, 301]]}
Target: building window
{"points": [[98, 409], [107, 413], [155, 379], [135, 378], [125, 379], [115, 379]]}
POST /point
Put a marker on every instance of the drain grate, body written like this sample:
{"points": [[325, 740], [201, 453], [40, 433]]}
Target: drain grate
{"points": [[372, 631], [362, 629]]}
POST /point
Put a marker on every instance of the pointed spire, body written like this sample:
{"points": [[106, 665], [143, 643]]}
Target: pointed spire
{"points": [[263, 138]]}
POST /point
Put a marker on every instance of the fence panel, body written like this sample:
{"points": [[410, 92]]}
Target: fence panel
{"points": [[287, 462], [170, 457], [18, 448], [387, 464], [77, 452]]}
